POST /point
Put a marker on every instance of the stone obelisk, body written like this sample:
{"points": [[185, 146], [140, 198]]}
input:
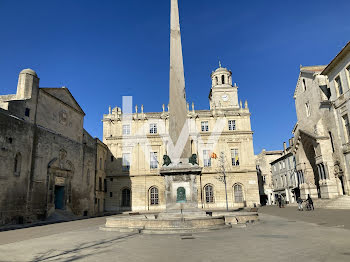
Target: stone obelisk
{"points": [[177, 94], [180, 176]]}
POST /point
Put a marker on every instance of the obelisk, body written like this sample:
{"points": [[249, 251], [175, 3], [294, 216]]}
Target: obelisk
{"points": [[180, 176], [177, 93]]}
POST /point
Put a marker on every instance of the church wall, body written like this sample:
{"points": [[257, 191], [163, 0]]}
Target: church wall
{"points": [[16, 136], [62, 119], [342, 108], [79, 192]]}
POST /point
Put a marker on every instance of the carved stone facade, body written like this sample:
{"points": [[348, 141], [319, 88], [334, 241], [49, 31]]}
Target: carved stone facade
{"points": [[48, 160], [321, 134], [138, 142]]}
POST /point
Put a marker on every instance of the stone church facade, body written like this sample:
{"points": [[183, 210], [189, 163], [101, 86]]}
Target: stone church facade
{"points": [[48, 160], [221, 137], [321, 135]]}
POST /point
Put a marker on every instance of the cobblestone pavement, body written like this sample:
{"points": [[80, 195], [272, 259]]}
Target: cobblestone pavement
{"points": [[273, 239], [325, 217]]}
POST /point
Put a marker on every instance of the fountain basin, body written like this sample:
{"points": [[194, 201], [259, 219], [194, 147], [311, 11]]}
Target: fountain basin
{"points": [[172, 224]]}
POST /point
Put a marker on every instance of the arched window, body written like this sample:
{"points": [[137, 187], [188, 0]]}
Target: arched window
{"points": [[18, 164], [154, 196], [209, 194], [223, 79], [216, 80], [238, 192], [126, 197]]}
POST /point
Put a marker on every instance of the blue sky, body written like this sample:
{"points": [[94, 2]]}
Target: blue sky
{"points": [[102, 50]]}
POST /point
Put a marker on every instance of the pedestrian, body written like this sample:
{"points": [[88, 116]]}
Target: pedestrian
{"points": [[300, 204], [311, 203], [279, 201], [282, 201]]}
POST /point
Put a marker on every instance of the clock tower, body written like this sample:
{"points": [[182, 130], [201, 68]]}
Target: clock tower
{"points": [[223, 95]]}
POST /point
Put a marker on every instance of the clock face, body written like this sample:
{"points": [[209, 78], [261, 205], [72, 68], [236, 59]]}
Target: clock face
{"points": [[225, 97]]}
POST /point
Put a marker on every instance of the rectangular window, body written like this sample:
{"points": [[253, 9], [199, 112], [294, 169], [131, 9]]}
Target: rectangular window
{"points": [[126, 162], [126, 130], [304, 85], [235, 157], [205, 126], [232, 125], [99, 184], [110, 194], [154, 160], [112, 158], [332, 143], [346, 127], [339, 85], [153, 129], [105, 185], [307, 107], [100, 163], [206, 158], [348, 73], [27, 112]]}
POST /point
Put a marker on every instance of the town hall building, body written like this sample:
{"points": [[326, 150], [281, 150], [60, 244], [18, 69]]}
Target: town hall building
{"points": [[220, 137]]}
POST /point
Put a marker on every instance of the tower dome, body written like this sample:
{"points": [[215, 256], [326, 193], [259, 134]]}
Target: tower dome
{"points": [[221, 77], [29, 72]]}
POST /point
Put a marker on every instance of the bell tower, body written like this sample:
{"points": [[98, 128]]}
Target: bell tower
{"points": [[223, 95]]}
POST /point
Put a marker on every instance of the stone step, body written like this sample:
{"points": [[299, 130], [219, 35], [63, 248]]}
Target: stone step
{"points": [[342, 202]]}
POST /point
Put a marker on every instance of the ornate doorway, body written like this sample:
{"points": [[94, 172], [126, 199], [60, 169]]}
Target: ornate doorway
{"points": [[59, 172]]}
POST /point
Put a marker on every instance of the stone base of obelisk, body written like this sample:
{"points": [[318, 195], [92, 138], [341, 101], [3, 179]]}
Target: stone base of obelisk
{"points": [[179, 178]]}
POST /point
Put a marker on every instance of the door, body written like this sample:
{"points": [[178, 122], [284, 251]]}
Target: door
{"points": [[59, 197]]}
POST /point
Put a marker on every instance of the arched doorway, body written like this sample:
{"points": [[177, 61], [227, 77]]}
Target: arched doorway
{"points": [[59, 172], [310, 166]]}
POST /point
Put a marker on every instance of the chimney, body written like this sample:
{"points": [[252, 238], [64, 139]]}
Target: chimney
{"points": [[284, 147]]}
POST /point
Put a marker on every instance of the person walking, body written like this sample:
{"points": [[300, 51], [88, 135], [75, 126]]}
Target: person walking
{"points": [[311, 203], [279, 201], [300, 204]]}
